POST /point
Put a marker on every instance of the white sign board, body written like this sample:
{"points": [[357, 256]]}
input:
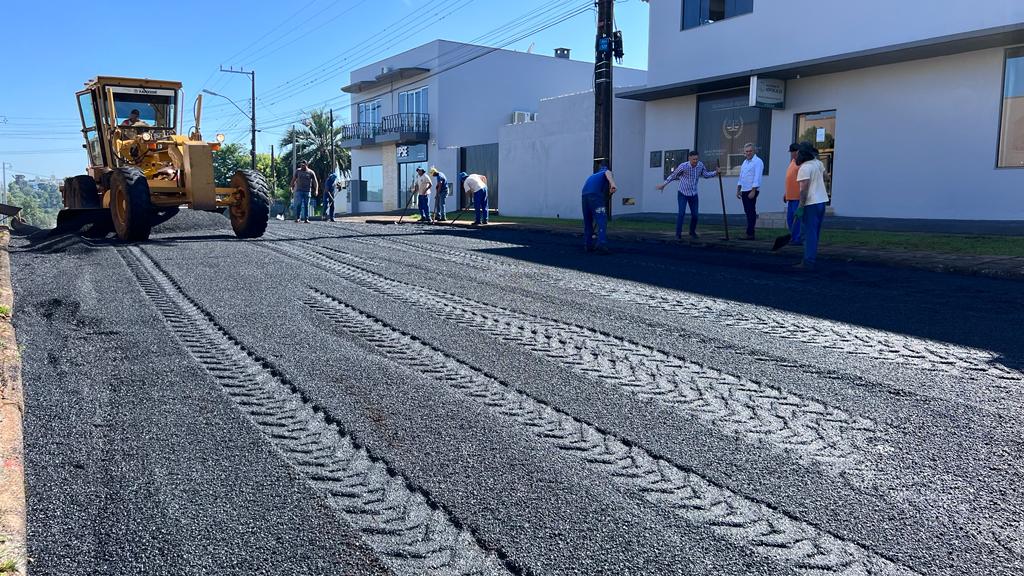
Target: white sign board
{"points": [[767, 93]]}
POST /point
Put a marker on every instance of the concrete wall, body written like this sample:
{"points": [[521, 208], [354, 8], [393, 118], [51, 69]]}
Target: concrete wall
{"points": [[544, 163], [913, 140], [784, 31]]}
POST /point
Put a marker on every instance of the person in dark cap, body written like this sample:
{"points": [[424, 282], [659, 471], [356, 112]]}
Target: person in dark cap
{"points": [[596, 190], [133, 119], [476, 184]]}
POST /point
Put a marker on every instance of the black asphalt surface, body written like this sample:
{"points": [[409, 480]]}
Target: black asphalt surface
{"points": [[369, 399]]}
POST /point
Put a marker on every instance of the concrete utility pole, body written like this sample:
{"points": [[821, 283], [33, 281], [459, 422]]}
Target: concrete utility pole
{"points": [[252, 76], [603, 93], [334, 166]]}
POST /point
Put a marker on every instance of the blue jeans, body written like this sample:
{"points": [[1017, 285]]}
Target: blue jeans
{"points": [[439, 208], [792, 221], [327, 201], [424, 205], [813, 217], [685, 201], [301, 205], [480, 205], [594, 214]]}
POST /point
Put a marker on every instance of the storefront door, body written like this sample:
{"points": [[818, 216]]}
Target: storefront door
{"points": [[819, 128]]}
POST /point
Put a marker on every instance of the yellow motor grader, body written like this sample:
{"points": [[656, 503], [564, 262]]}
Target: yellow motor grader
{"points": [[141, 170]]}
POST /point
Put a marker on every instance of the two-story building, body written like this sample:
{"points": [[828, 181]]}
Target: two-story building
{"points": [[917, 107], [442, 104]]}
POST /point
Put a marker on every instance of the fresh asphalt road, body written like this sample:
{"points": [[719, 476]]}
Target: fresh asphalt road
{"points": [[368, 399]]}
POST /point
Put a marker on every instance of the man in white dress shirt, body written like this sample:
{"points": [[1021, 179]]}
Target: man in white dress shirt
{"points": [[749, 186]]}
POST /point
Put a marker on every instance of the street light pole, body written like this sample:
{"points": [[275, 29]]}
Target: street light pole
{"points": [[252, 117]]}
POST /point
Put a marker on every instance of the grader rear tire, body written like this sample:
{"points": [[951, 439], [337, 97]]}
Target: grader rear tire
{"points": [[130, 207], [249, 216]]}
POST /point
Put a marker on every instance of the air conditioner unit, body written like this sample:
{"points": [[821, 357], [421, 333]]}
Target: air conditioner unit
{"points": [[521, 117]]}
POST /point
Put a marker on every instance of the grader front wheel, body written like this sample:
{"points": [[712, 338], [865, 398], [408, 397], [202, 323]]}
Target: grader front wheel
{"points": [[130, 207], [251, 210]]}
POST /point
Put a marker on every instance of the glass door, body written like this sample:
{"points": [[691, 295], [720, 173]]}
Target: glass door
{"points": [[406, 177], [819, 128]]}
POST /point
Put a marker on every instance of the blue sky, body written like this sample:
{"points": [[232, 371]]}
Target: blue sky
{"points": [[302, 52]]}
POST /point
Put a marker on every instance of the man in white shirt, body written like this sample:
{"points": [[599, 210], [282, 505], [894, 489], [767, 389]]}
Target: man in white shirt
{"points": [[476, 184], [749, 186], [813, 199], [421, 186]]}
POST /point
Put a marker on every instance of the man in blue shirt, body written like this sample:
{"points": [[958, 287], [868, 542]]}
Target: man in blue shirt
{"points": [[328, 199], [688, 173], [440, 193], [596, 191]]}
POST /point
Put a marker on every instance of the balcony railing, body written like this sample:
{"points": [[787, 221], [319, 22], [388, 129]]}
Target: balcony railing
{"points": [[360, 131], [407, 123]]}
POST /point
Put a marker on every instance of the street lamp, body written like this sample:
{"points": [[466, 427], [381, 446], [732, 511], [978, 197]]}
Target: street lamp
{"points": [[252, 120]]}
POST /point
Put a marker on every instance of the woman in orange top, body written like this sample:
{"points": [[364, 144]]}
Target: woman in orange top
{"points": [[792, 197]]}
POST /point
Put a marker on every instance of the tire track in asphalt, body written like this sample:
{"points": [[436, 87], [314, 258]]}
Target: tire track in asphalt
{"points": [[412, 534], [634, 470], [750, 410], [881, 345]]}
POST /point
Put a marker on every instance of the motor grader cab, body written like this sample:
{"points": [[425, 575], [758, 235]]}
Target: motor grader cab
{"points": [[142, 169]]}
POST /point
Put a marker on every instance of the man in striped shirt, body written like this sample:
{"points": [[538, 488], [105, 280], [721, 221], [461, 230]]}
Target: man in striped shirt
{"points": [[688, 173]]}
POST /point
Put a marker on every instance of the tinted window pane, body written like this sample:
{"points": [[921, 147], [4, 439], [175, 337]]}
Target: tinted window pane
{"points": [[1011, 133], [88, 117], [737, 7], [725, 122], [716, 11], [374, 177], [691, 13]]}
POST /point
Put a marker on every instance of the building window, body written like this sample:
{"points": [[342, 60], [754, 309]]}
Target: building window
{"points": [[374, 178], [413, 101], [725, 123], [701, 12], [1011, 130], [369, 112]]}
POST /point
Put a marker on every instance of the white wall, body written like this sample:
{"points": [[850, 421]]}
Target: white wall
{"points": [[913, 140], [543, 164], [785, 31]]}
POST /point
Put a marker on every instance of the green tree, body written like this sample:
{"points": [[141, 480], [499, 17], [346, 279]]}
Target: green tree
{"points": [[278, 178], [227, 161], [39, 205], [313, 142]]}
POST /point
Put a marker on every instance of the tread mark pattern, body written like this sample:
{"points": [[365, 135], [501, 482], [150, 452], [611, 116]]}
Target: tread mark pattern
{"points": [[753, 411], [411, 534], [836, 336], [637, 472]]}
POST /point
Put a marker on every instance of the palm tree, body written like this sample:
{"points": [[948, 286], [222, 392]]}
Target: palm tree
{"points": [[313, 142]]}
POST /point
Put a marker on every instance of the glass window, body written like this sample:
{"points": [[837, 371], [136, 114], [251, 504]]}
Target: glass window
{"points": [[406, 176], [819, 128], [725, 123], [374, 178], [154, 108], [413, 101], [1011, 131], [369, 112], [700, 12], [88, 115]]}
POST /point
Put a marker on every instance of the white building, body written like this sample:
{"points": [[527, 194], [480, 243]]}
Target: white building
{"points": [[917, 107], [442, 104]]}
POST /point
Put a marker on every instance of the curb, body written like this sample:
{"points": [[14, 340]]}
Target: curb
{"points": [[13, 551]]}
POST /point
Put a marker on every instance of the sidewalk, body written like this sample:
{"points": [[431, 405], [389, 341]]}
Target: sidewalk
{"points": [[712, 238]]}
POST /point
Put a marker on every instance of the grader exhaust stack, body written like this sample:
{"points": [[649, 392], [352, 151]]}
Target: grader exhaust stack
{"points": [[142, 170]]}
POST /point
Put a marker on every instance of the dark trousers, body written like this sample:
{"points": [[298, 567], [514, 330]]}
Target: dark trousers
{"points": [[750, 209], [480, 206], [685, 201], [595, 220], [328, 206]]}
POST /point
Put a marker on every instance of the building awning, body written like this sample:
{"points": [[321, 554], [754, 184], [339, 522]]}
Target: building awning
{"points": [[384, 78], [931, 48]]}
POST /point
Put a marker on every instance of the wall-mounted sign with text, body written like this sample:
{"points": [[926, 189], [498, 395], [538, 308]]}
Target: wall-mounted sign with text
{"points": [[767, 93], [411, 153]]}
